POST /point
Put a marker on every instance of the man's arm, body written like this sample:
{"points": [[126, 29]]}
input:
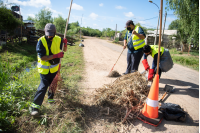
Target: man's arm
{"points": [[140, 33], [125, 41], [141, 36]]}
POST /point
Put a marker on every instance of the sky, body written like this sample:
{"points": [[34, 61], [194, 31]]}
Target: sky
{"points": [[100, 14]]}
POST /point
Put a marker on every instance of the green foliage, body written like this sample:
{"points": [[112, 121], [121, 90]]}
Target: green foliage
{"points": [[108, 32], [8, 21], [187, 12], [14, 91], [151, 29], [42, 18], [91, 32], [116, 40], [174, 25], [60, 24]]}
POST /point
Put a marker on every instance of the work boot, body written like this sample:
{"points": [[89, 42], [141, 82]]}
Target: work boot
{"points": [[34, 111]]}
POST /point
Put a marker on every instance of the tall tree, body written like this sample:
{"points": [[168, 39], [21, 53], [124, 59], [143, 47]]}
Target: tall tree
{"points": [[8, 21], [187, 12], [42, 18], [60, 24]]}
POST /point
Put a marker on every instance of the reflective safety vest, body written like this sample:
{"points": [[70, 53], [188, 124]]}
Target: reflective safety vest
{"points": [[154, 49], [137, 42], [44, 66]]}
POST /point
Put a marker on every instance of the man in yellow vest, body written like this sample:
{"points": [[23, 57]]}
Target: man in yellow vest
{"points": [[135, 46], [165, 63], [49, 53]]}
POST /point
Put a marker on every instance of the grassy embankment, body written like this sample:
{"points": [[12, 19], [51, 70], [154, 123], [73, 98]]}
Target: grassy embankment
{"points": [[191, 60], [18, 87]]}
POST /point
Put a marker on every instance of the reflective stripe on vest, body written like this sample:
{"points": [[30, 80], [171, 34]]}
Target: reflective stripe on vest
{"points": [[44, 66], [154, 50], [152, 103], [137, 42]]}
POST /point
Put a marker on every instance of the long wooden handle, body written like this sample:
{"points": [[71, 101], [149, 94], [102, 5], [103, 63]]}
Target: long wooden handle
{"points": [[66, 27], [67, 23], [163, 96], [121, 53]]}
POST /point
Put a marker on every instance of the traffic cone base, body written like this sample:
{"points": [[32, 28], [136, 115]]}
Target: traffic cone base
{"points": [[153, 122]]}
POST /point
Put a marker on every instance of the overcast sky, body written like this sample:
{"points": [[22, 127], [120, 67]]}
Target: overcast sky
{"points": [[99, 14]]}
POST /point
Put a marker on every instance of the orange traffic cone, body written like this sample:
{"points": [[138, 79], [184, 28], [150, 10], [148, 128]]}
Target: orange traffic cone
{"points": [[150, 113], [151, 106]]}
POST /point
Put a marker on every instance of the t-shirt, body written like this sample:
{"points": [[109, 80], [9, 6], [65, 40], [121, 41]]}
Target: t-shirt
{"points": [[40, 49], [130, 43]]}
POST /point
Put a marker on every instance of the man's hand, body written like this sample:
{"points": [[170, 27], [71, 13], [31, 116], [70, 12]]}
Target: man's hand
{"points": [[134, 32], [65, 42], [124, 47], [59, 55], [150, 75]]}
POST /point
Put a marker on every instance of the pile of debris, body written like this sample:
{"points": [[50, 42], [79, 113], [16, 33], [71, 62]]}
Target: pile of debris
{"points": [[125, 96]]}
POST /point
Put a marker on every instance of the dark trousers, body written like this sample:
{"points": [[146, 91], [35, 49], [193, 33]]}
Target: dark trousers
{"points": [[133, 60], [45, 81]]}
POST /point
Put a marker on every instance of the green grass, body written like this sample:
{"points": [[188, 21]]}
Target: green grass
{"points": [[18, 88], [182, 58]]}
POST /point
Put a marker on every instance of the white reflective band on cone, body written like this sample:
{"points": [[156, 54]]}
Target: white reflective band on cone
{"points": [[152, 103]]}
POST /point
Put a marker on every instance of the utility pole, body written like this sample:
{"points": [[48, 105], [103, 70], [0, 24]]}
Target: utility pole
{"points": [[164, 26], [157, 28], [80, 26], [22, 21], [115, 32]]}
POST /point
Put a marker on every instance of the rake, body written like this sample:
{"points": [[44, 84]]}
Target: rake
{"points": [[54, 84]]}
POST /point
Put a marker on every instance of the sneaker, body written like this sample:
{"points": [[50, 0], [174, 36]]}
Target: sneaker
{"points": [[124, 73], [35, 112], [51, 101]]}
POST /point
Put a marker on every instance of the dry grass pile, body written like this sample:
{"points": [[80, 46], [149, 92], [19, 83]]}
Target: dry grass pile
{"points": [[114, 74], [125, 96]]}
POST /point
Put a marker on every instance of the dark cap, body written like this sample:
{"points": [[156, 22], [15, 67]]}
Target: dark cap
{"points": [[50, 29], [128, 23]]}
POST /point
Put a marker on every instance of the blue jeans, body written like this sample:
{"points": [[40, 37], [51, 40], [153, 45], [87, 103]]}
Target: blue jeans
{"points": [[133, 61], [45, 81]]}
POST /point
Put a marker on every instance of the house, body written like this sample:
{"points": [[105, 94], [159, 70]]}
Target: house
{"points": [[150, 36]]}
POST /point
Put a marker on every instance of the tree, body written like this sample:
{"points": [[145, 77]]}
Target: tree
{"points": [[60, 24], [174, 25], [42, 18], [30, 18], [8, 21], [187, 12]]}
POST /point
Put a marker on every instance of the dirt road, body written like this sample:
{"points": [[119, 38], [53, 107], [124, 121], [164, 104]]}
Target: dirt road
{"points": [[100, 56]]}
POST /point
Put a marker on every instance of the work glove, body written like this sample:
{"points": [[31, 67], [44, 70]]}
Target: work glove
{"points": [[65, 42], [145, 64], [59, 55], [151, 73]]}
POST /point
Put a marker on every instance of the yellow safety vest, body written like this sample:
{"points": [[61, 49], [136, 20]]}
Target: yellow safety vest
{"points": [[137, 42], [44, 66], [154, 49]]}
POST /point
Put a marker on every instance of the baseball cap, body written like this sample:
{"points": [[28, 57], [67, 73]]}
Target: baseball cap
{"points": [[128, 23], [50, 29]]}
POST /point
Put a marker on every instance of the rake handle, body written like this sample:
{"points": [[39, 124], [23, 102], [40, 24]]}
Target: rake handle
{"points": [[121, 53]]}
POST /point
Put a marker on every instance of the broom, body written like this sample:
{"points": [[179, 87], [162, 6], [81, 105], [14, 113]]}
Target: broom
{"points": [[53, 86], [120, 55]]}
